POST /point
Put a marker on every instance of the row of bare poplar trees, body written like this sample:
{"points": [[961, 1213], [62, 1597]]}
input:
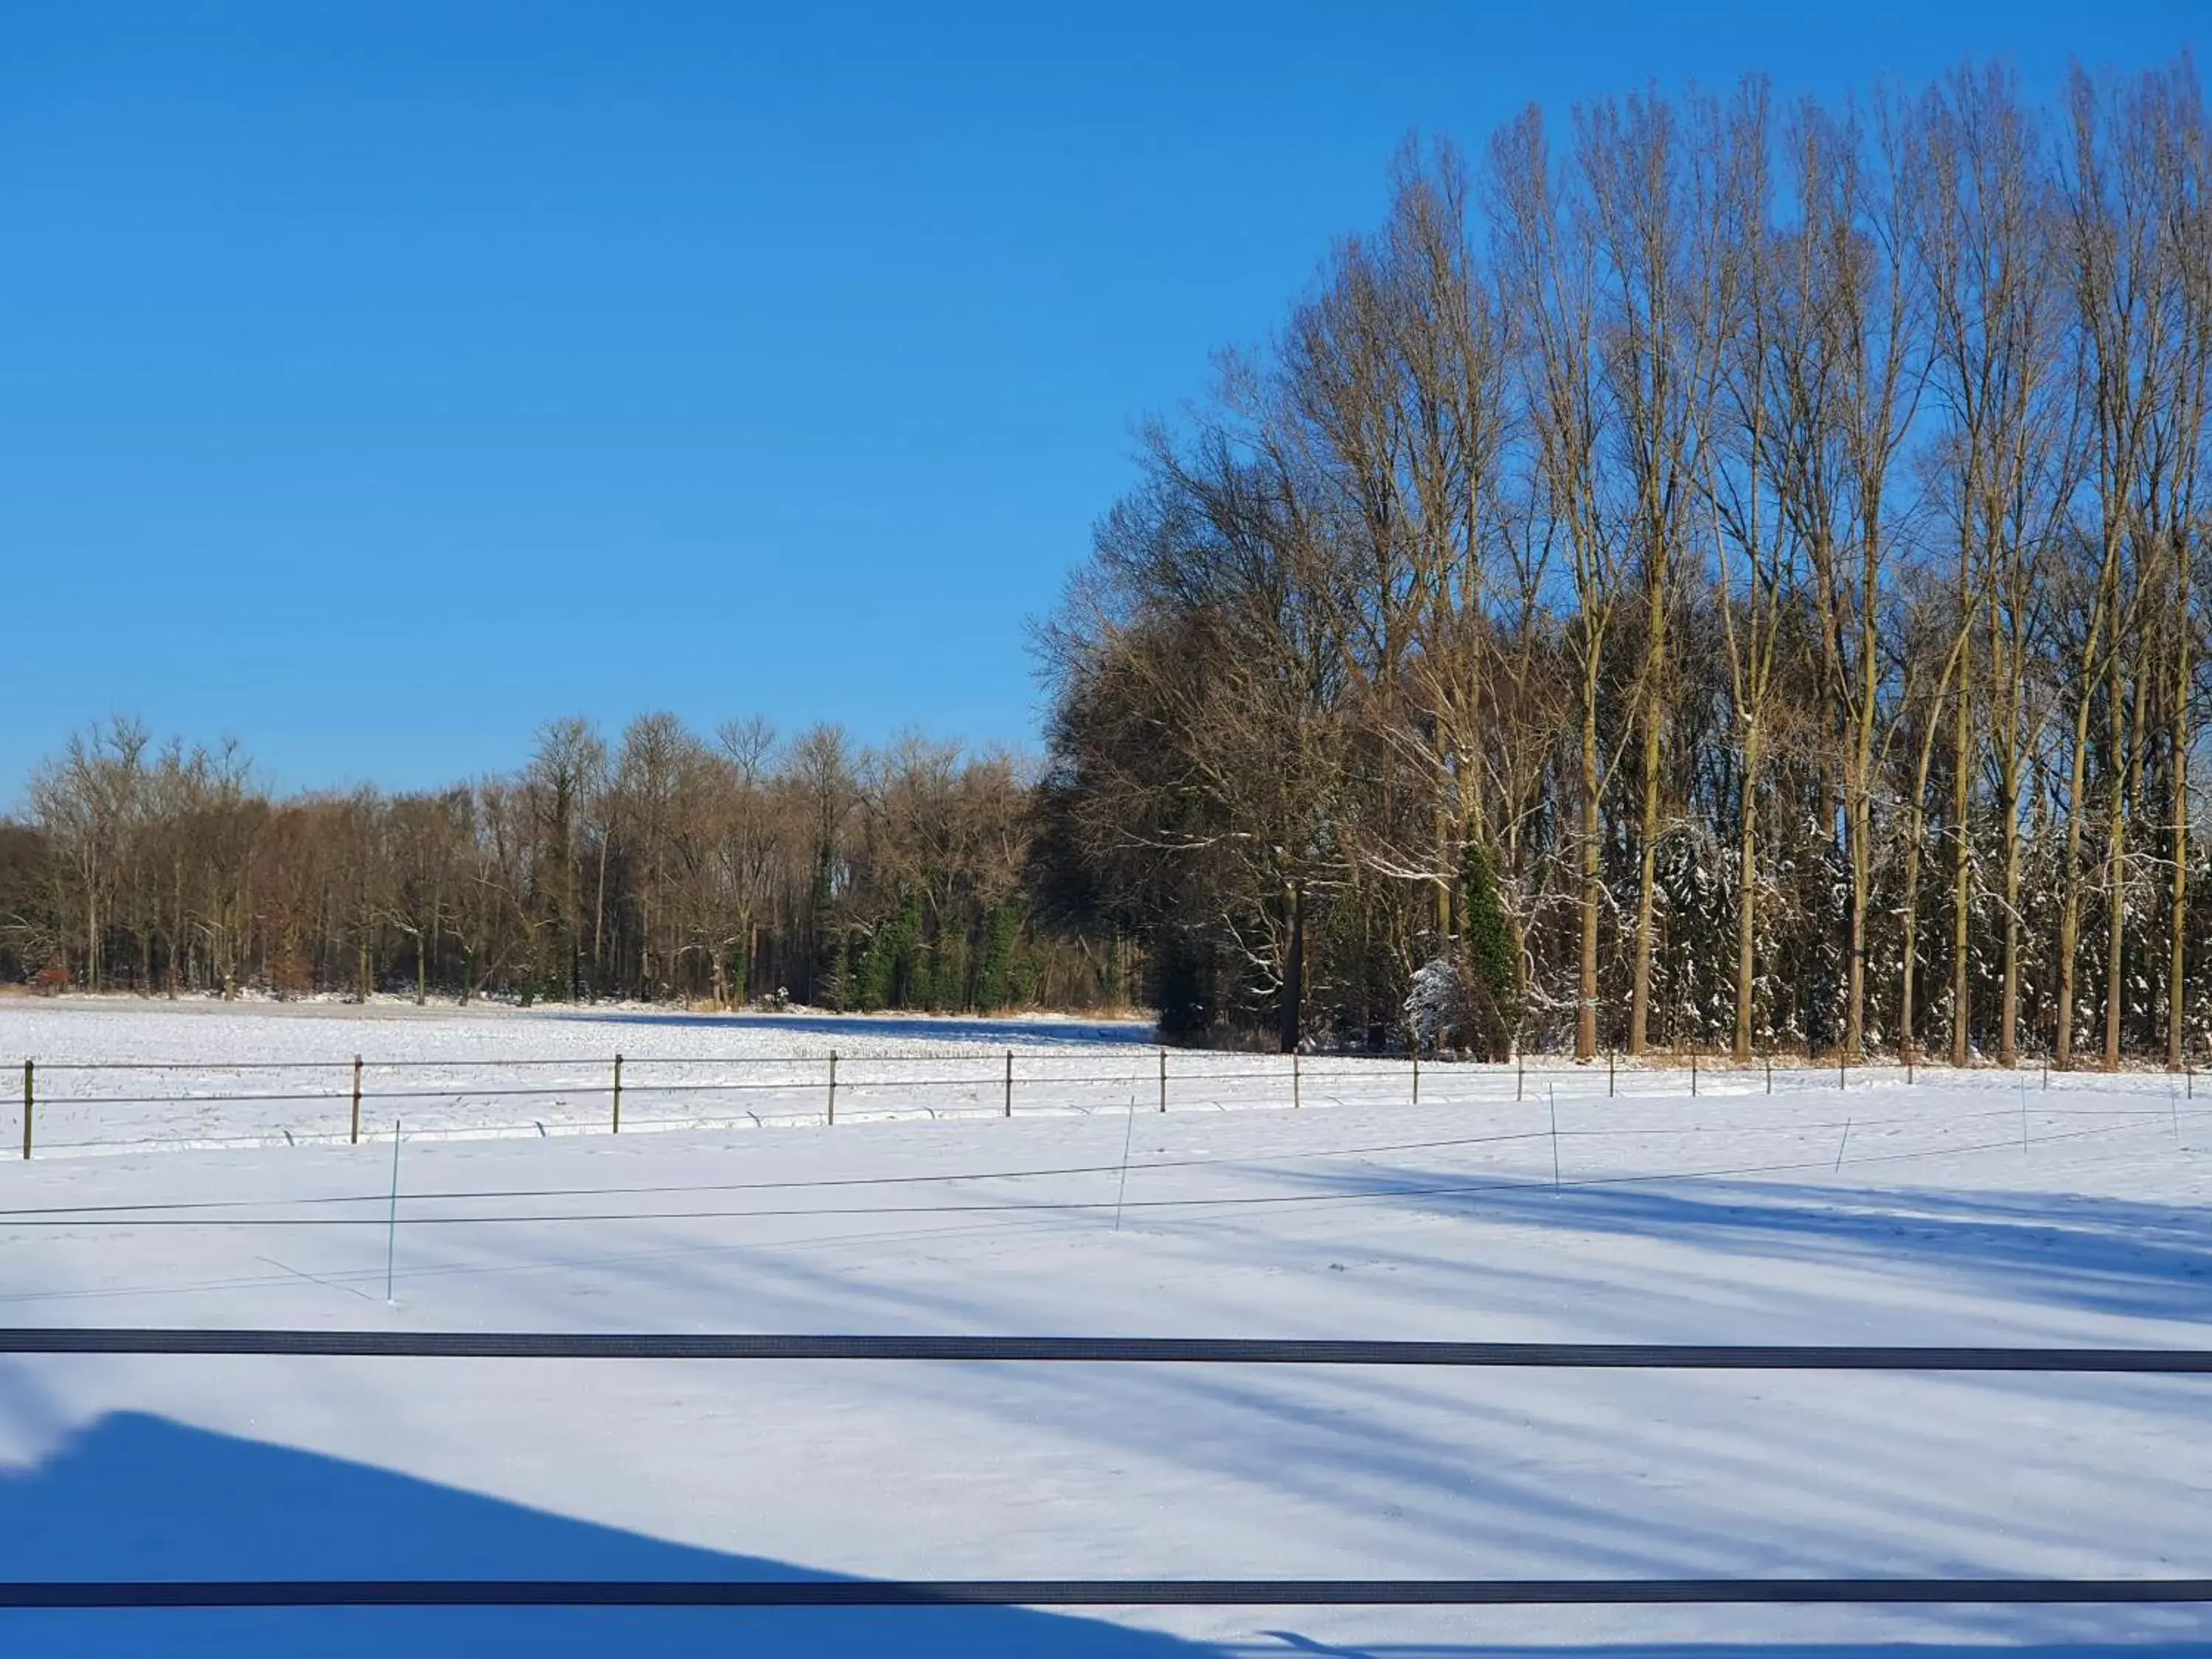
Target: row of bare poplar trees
{"points": [[1766, 533], [732, 868]]}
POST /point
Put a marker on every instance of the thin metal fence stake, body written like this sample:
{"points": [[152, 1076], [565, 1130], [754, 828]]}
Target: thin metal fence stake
{"points": [[391, 1219]]}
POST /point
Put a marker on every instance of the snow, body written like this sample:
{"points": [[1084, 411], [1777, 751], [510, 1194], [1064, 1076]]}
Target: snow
{"points": [[281, 1073], [1965, 1209], [1433, 1002]]}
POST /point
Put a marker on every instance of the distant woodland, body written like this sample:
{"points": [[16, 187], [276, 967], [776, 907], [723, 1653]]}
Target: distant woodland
{"points": [[667, 864], [1724, 572]]}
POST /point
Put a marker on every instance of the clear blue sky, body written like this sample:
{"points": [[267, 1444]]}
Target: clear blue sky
{"points": [[378, 380]]}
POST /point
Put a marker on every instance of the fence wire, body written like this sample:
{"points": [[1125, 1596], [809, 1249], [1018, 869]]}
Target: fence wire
{"points": [[713, 1092], [1094, 1592]]}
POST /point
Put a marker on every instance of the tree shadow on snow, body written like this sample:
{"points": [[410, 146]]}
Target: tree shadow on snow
{"points": [[2106, 1255], [1003, 1033], [1288, 1643], [133, 1496]]}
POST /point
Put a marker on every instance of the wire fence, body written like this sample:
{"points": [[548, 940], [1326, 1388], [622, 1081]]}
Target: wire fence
{"points": [[79, 1106], [187, 1341], [85, 1596]]}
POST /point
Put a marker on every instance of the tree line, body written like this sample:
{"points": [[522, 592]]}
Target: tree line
{"points": [[728, 869], [1726, 572]]}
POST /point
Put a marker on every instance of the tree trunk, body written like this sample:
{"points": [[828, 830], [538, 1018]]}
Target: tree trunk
{"points": [[2177, 981], [2116, 866], [1647, 878], [1962, 867], [599, 923], [1639, 998], [2008, 1013], [1746, 914], [2069, 913], [2009, 762], [176, 945], [1857, 817], [1860, 816], [1907, 1044], [1586, 1007]]}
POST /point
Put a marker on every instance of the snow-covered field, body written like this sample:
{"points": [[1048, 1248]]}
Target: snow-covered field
{"points": [[121, 1074], [1956, 1210]]}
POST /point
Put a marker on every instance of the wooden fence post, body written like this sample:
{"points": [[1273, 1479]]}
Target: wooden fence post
{"points": [[1608, 1072], [1417, 1072], [1294, 1080], [1009, 1083], [29, 1094], [617, 1127], [1693, 1074], [1519, 1065], [353, 1136], [832, 1087], [1164, 1079]]}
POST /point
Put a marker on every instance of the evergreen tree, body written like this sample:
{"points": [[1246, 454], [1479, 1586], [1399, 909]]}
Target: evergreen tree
{"points": [[1493, 984], [994, 985]]}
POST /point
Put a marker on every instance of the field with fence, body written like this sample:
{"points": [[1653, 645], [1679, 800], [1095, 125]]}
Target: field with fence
{"points": [[85, 1106], [119, 1076], [1930, 1330]]}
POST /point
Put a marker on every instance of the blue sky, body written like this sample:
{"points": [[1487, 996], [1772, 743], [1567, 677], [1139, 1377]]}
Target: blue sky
{"points": [[378, 382]]}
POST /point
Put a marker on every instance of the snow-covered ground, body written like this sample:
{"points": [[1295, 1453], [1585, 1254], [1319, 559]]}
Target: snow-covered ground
{"points": [[1956, 1210], [120, 1072]]}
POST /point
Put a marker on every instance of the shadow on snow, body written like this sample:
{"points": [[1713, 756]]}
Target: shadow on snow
{"points": [[133, 1496], [2107, 1255], [918, 1028]]}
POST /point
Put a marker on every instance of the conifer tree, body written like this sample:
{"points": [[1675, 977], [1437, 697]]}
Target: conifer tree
{"points": [[1486, 941]]}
